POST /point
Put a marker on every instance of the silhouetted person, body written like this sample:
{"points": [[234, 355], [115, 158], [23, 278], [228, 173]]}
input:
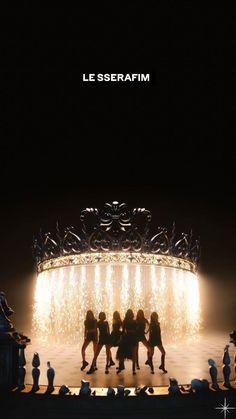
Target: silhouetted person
{"points": [[155, 340], [90, 335], [115, 333], [142, 324], [128, 346], [104, 339]]}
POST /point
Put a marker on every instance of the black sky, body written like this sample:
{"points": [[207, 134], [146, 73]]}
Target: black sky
{"points": [[168, 146]]}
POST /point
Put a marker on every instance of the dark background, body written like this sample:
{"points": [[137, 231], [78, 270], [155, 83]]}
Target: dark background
{"points": [[167, 146]]}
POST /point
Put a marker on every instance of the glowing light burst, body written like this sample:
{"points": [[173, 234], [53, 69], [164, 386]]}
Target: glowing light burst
{"points": [[162, 297], [225, 408], [97, 286], [109, 303], [63, 295], [138, 301], [154, 286], [124, 289]]}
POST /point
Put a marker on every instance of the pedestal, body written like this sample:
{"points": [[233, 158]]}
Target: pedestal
{"points": [[9, 360]]}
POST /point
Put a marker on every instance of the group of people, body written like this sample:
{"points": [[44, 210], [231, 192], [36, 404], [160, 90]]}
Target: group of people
{"points": [[126, 336]]}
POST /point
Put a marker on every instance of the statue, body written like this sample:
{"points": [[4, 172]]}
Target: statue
{"points": [[141, 391], [12, 346], [199, 385], [21, 371], [35, 372], [85, 389], [213, 373], [5, 311], [226, 367], [120, 391], [233, 340], [173, 388], [111, 392], [63, 390], [50, 377]]}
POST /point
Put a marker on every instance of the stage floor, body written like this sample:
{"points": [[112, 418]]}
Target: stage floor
{"points": [[184, 361]]}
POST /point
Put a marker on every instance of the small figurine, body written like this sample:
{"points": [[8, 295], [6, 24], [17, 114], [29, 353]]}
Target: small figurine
{"points": [[35, 372], [141, 391], [126, 392], [173, 388], [199, 386], [85, 390], [50, 377], [120, 391], [110, 392], [226, 367], [64, 390], [213, 373], [21, 371]]}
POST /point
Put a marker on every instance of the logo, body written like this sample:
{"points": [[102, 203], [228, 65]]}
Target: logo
{"points": [[117, 77]]}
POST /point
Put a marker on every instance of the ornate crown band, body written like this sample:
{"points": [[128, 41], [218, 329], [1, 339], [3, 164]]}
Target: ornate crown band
{"points": [[115, 234]]}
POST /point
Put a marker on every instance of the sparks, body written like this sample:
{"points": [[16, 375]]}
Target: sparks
{"points": [[64, 294]]}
